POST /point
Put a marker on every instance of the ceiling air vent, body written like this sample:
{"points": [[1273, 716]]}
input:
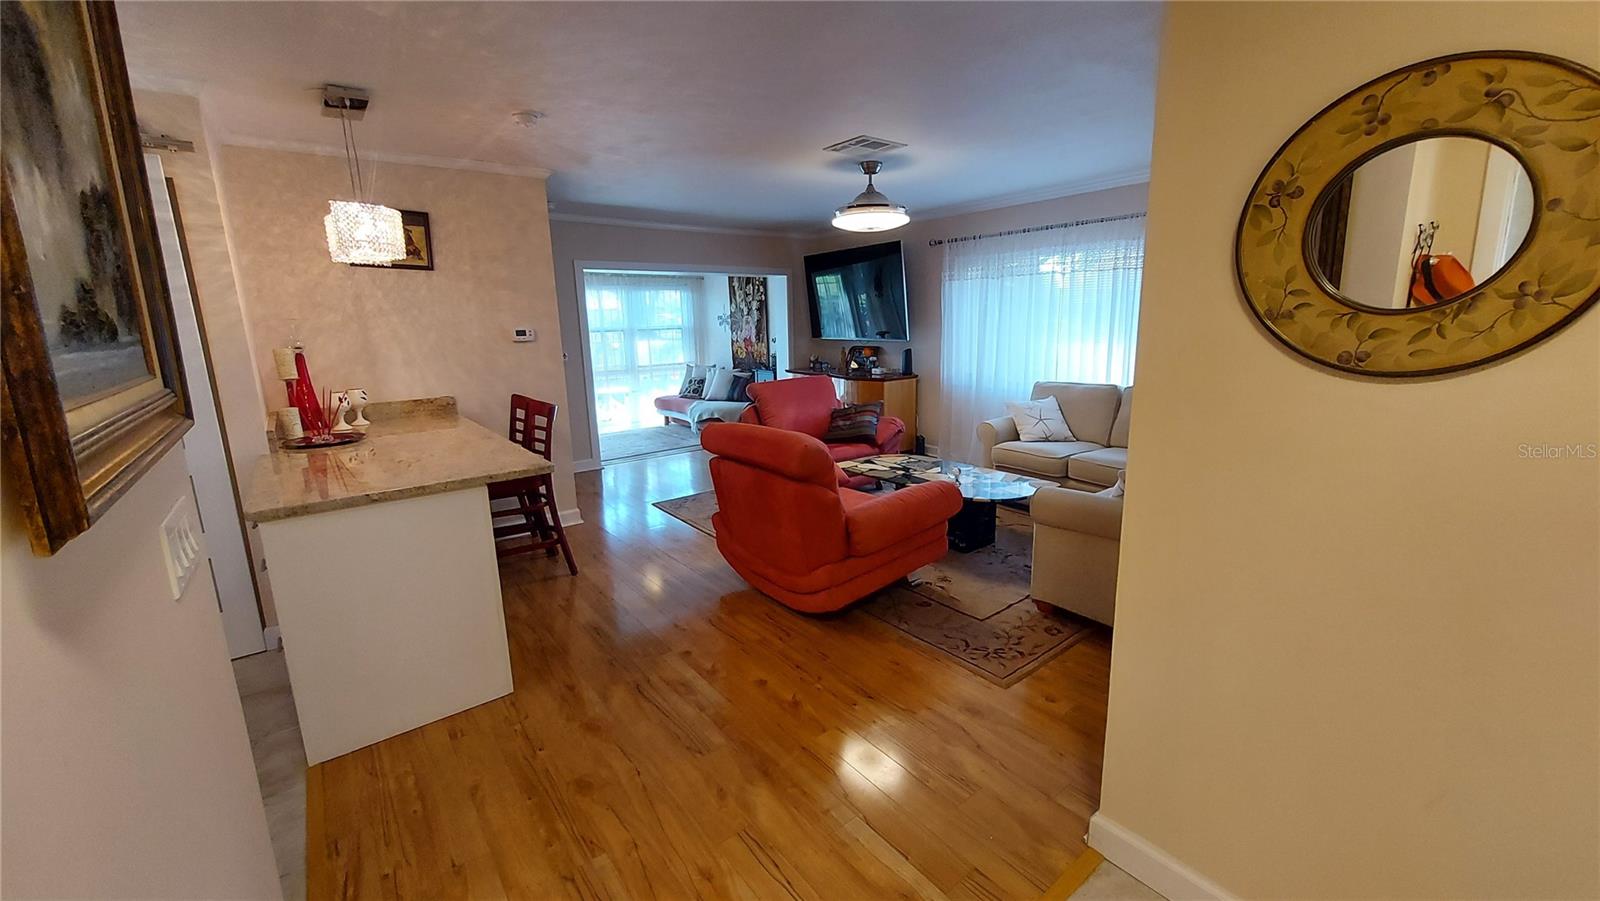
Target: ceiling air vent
{"points": [[864, 144]]}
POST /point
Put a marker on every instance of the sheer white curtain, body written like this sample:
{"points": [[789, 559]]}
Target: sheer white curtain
{"points": [[1056, 305], [641, 332]]}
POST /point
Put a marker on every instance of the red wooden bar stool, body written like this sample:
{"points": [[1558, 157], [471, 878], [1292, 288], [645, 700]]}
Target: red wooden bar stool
{"points": [[532, 422]]}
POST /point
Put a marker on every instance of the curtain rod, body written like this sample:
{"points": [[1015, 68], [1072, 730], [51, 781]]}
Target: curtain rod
{"points": [[1036, 228]]}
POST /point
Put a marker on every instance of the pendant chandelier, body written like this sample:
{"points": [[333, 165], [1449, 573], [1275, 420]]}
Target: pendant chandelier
{"points": [[367, 234], [870, 211]]}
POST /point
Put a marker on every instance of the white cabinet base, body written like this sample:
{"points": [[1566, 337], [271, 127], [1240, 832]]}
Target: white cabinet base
{"points": [[390, 615]]}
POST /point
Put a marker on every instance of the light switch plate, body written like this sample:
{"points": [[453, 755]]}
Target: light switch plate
{"points": [[180, 545]]}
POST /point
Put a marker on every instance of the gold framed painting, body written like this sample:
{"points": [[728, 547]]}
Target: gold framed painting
{"points": [[93, 386]]}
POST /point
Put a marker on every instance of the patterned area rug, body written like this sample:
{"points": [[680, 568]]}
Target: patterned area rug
{"points": [[644, 442], [972, 607]]}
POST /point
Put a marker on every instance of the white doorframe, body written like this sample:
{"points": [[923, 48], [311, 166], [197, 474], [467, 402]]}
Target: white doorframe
{"points": [[579, 266], [205, 447]]}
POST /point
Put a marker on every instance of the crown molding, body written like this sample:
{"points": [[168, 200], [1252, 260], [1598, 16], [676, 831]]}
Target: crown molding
{"points": [[1038, 195], [407, 159], [675, 226]]}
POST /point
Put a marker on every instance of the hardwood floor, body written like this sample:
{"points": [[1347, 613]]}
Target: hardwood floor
{"points": [[675, 734]]}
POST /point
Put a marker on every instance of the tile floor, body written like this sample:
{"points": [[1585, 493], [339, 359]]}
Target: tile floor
{"points": [[1110, 883], [274, 728]]}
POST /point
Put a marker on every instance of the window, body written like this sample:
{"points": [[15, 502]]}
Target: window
{"points": [[1056, 305], [641, 333]]}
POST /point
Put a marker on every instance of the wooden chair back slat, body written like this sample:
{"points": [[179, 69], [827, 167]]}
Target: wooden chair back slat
{"points": [[532, 422]]}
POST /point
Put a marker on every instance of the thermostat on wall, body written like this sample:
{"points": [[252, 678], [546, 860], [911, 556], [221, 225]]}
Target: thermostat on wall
{"points": [[524, 334]]}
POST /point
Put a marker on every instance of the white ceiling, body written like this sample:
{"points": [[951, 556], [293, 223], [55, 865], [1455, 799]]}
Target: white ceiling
{"points": [[701, 113]]}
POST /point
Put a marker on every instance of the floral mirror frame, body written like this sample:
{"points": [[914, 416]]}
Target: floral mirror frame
{"points": [[1543, 110]]}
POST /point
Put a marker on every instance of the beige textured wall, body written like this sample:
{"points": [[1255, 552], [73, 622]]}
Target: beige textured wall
{"points": [[924, 275], [126, 765], [402, 333], [1356, 649], [589, 242]]}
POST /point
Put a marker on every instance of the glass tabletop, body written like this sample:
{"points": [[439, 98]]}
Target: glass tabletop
{"points": [[977, 483]]}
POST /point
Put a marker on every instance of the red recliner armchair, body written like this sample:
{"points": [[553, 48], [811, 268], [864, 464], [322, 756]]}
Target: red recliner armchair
{"points": [[786, 526], [803, 405]]}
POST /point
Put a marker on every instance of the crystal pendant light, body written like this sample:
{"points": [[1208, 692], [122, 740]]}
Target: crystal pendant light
{"points": [[870, 211], [367, 234]]}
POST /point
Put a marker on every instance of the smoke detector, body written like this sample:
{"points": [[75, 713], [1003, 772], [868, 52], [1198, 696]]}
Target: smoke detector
{"points": [[864, 145]]}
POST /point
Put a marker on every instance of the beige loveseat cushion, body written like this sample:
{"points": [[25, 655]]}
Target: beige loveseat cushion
{"points": [[1119, 428], [1089, 409], [1076, 541], [1098, 467], [1045, 458]]}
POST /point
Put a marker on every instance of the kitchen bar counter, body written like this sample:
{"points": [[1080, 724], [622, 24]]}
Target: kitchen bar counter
{"points": [[381, 561], [413, 448]]}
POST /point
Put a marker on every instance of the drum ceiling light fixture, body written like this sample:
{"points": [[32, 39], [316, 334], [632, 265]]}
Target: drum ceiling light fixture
{"points": [[870, 211]]}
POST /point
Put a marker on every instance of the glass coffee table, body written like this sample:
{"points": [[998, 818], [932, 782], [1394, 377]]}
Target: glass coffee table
{"points": [[981, 490]]}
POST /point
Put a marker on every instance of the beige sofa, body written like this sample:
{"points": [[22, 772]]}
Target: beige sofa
{"points": [[1098, 416], [1076, 538]]}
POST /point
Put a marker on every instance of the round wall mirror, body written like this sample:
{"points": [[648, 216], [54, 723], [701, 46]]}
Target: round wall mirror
{"points": [[1438, 217], [1420, 224]]}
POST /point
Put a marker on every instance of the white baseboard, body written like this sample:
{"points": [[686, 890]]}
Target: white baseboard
{"points": [[1149, 864], [273, 637], [506, 509]]}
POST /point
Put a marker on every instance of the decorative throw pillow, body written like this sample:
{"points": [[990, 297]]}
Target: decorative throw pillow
{"points": [[696, 379], [718, 386], [738, 389], [691, 371], [854, 423], [1040, 420]]}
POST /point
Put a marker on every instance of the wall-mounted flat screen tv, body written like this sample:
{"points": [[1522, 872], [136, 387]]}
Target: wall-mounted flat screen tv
{"points": [[858, 294]]}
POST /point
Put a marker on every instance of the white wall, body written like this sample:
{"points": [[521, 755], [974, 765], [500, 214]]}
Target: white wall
{"points": [[669, 248], [714, 341], [711, 339], [126, 765], [1356, 645], [1376, 248], [924, 271]]}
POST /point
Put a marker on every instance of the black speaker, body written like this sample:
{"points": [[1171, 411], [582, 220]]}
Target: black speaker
{"points": [[905, 362], [922, 443]]}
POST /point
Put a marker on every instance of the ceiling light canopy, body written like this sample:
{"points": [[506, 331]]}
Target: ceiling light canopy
{"points": [[870, 211]]}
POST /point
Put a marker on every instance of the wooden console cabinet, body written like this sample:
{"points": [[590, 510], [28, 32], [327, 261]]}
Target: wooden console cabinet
{"points": [[897, 391], [899, 396]]}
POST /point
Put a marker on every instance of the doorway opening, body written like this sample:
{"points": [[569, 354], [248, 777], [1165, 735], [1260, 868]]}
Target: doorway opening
{"points": [[667, 350]]}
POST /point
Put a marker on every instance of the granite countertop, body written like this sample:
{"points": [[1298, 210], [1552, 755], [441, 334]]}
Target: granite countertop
{"points": [[413, 448]]}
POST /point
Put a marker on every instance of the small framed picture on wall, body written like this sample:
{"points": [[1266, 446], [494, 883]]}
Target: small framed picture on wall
{"points": [[419, 243]]}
